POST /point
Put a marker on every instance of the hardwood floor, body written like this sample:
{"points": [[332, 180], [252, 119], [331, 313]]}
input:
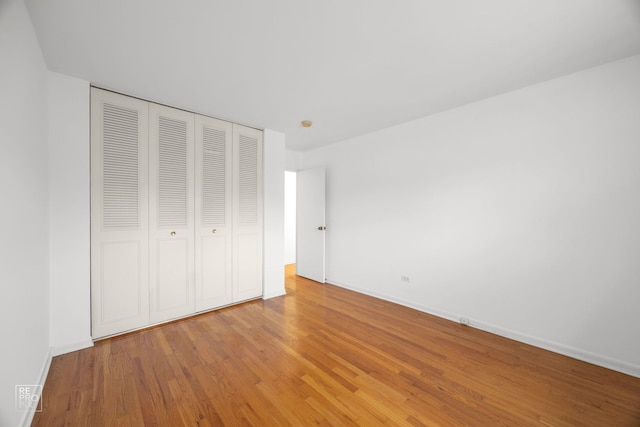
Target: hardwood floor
{"points": [[323, 355]]}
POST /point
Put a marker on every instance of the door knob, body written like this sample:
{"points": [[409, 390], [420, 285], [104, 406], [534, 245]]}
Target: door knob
{"points": [[322, 228], [173, 233], [214, 231]]}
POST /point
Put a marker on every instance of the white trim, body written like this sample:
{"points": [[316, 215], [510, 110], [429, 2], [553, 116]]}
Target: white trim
{"points": [[274, 294], [68, 348], [27, 417], [576, 353]]}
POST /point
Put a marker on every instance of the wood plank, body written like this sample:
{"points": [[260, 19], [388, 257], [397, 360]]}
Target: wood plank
{"points": [[323, 355]]}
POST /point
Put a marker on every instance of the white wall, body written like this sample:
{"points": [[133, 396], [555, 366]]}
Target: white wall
{"points": [[24, 246], [520, 212], [289, 217], [273, 254], [69, 202]]}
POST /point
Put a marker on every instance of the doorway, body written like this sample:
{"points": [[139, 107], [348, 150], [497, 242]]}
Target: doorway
{"points": [[310, 224]]}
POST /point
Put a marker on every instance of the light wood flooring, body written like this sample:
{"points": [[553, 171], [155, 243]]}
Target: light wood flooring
{"points": [[327, 356]]}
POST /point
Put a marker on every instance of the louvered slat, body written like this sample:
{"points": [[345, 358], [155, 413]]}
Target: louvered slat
{"points": [[248, 181], [120, 168], [172, 173], [214, 178]]}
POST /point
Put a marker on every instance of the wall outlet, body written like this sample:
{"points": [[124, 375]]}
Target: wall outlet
{"points": [[405, 279], [465, 321]]}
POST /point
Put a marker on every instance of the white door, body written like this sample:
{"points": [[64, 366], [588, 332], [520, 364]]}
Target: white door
{"points": [[310, 224], [247, 217], [213, 213], [119, 213], [171, 219]]}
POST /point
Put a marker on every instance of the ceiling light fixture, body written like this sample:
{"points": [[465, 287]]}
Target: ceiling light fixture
{"points": [[306, 123]]}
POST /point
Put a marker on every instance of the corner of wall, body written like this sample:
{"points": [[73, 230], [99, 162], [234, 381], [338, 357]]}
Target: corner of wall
{"points": [[273, 245], [69, 214], [58, 350], [27, 416]]}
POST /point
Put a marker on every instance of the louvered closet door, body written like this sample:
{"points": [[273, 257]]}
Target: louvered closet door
{"points": [[247, 203], [213, 213], [171, 221], [119, 213]]}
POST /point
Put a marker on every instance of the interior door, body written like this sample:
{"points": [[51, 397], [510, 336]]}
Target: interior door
{"points": [[247, 208], [171, 219], [119, 213], [310, 224], [213, 213]]}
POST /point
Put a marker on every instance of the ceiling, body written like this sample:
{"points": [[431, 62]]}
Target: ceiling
{"points": [[352, 67]]}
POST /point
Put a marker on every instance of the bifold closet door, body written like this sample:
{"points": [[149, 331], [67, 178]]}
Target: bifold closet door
{"points": [[213, 213], [119, 213], [247, 204], [171, 207]]}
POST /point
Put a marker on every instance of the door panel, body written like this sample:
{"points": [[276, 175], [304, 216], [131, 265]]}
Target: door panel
{"points": [[310, 223], [120, 299], [247, 203], [249, 273], [213, 213], [171, 224], [173, 287], [119, 213], [214, 273]]}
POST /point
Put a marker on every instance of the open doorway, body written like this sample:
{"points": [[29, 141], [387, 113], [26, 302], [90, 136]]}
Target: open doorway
{"points": [[305, 223]]}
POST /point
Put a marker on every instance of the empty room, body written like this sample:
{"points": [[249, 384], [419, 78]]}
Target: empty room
{"points": [[296, 213]]}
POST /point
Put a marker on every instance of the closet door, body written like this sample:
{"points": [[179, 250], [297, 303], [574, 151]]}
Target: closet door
{"points": [[247, 207], [119, 214], [171, 222], [213, 213]]}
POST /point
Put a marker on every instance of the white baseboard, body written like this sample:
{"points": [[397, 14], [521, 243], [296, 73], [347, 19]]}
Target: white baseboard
{"points": [[576, 353], [27, 417], [68, 348], [278, 293]]}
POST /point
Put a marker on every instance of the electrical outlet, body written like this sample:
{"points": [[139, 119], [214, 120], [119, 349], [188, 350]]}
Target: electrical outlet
{"points": [[405, 279], [465, 321]]}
